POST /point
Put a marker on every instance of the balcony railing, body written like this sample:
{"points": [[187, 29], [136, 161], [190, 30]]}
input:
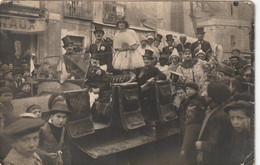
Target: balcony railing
{"points": [[111, 14], [78, 9]]}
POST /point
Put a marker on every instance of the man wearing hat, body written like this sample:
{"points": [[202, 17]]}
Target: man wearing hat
{"points": [[201, 43], [168, 49], [240, 113], [67, 45], [145, 77], [24, 136], [237, 62], [101, 49], [53, 145], [97, 80], [183, 44]]}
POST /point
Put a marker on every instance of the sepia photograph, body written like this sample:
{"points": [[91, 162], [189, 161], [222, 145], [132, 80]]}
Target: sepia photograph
{"points": [[127, 82]]}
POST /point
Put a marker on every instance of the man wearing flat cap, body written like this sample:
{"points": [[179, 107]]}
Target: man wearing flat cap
{"points": [[101, 49], [53, 145], [24, 136], [201, 44]]}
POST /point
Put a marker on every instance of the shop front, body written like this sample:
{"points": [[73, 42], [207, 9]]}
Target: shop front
{"points": [[19, 38]]}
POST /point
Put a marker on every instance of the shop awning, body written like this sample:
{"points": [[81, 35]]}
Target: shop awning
{"points": [[22, 24]]}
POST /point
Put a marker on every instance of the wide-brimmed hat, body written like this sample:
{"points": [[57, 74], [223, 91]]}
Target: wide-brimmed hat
{"points": [[169, 37], [66, 40], [200, 30], [158, 37], [58, 104], [148, 53], [99, 29]]}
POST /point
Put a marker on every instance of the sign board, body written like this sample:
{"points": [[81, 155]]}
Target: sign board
{"points": [[21, 24]]}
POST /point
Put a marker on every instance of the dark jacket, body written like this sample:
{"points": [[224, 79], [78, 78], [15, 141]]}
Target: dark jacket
{"points": [[242, 146], [192, 130], [104, 53], [205, 46], [216, 138], [99, 81], [49, 144]]}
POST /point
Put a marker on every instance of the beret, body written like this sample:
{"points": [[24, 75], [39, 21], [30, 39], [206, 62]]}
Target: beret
{"points": [[240, 104], [5, 89], [192, 85], [24, 125]]}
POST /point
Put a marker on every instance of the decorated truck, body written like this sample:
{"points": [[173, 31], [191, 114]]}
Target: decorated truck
{"points": [[110, 128]]}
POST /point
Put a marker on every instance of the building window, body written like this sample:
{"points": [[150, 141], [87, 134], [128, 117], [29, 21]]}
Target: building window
{"points": [[78, 9], [113, 11]]}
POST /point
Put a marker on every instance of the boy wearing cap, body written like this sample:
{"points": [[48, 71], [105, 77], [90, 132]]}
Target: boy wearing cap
{"points": [[25, 91], [101, 49], [237, 62], [35, 109], [240, 113], [24, 135], [53, 145]]}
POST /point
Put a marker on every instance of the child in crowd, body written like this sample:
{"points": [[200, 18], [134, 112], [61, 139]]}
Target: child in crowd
{"points": [[24, 136], [35, 109], [195, 117], [240, 113], [25, 91]]}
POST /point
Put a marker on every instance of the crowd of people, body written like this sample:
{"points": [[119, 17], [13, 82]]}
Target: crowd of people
{"points": [[214, 100]]}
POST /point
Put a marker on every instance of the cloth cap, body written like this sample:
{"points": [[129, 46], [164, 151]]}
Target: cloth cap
{"points": [[240, 104], [24, 83], [5, 89], [186, 50], [236, 50], [225, 69], [23, 126], [192, 85], [7, 71], [32, 107], [66, 40], [169, 37], [200, 30], [57, 103]]}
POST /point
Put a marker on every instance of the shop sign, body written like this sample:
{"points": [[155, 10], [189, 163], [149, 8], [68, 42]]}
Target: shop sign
{"points": [[21, 24]]}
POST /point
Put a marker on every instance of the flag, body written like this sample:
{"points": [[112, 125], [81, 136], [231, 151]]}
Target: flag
{"points": [[61, 68], [31, 66]]}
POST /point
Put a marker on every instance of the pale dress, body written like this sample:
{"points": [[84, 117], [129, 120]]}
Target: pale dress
{"points": [[127, 59]]}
